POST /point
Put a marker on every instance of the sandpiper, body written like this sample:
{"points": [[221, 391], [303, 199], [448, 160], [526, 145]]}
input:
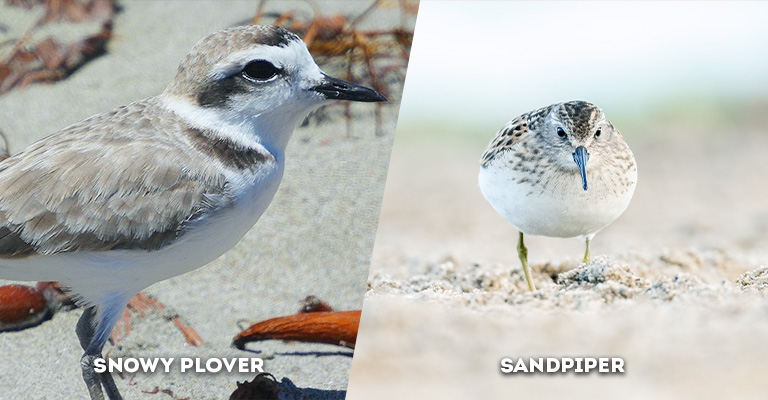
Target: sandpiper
{"points": [[162, 186], [559, 171]]}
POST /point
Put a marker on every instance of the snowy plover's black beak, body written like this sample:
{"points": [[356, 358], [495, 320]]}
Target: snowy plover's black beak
{"points": [[338, 89], [581, 156]]}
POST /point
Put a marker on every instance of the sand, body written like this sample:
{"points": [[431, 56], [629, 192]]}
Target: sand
{"points": [[676, 287], [315, 238]]}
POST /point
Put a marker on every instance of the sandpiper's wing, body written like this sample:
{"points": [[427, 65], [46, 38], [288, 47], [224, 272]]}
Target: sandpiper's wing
{"points": [[100, 186], [508, 136]]}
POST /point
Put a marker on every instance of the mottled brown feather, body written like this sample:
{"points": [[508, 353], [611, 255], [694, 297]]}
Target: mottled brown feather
{"points": [[512, 132]]}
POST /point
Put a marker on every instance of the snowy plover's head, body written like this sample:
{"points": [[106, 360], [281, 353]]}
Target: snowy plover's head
{"points": [[258, 72]]}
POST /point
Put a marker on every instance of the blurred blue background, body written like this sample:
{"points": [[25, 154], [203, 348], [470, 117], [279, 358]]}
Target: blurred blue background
{"points": [[479, 64]]}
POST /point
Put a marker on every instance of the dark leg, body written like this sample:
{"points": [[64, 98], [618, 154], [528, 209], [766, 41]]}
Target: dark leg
{"points": [[85, 332]]}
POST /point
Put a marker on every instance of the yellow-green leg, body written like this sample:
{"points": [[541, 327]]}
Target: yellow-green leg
{"points": [[522, 252], [586, 253]]}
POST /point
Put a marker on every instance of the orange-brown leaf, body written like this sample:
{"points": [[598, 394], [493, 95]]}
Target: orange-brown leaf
{"points": [[332, 327]]}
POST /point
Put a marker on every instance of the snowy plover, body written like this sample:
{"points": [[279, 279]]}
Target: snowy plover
{"points": [[164, 185], [559, 171]]}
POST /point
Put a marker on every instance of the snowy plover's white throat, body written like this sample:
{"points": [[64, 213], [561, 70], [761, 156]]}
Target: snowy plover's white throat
{"points": [[559, 171], [162, 186]]}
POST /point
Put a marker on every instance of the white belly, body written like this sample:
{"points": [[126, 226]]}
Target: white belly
{"points": [[558, 206], [209, 239], [94, 274]]}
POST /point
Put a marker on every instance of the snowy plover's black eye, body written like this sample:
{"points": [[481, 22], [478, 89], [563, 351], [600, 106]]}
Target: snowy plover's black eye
{"points": [[599, 131], [560, 132], [259, 71]]}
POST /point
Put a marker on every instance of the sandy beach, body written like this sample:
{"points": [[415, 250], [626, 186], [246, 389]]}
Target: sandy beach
{"points": [[333, 184], [676, 286]]}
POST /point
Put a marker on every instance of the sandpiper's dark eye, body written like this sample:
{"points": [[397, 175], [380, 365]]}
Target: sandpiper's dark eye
{"points": [[259, 71], [560, 132], [599, 131]]}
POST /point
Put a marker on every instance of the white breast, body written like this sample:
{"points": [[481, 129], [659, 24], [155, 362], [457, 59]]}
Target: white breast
{"points": [[210, 238], [559, 207]]}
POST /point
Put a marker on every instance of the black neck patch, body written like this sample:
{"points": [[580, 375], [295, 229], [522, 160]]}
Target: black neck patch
{"points": [[227, 152]]}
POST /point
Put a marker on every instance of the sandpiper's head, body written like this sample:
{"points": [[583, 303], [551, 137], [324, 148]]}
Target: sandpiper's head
{"points": [[253, 70], [577, 131]]}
